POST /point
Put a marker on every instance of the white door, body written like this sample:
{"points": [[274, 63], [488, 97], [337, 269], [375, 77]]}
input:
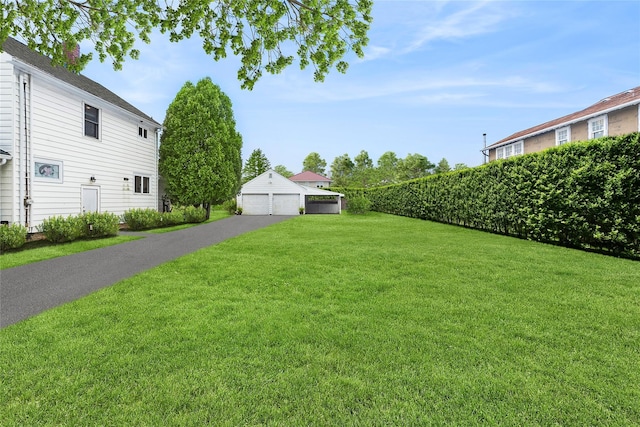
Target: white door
{"points": [[286, 204], [255, 204], [90, 199]]}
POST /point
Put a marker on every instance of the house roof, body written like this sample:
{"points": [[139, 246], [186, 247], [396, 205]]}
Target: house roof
{"points": [[291, 186], [24, 54], [309, 176], [610, 103], [5, 155]]}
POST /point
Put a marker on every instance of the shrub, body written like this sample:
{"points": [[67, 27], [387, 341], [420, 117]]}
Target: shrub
{"points": [[230, 206], [97, 224], [141, 219], [584, 195], [12, 236], [358, 205], [175, 217], [194, 214], [58, 229]]}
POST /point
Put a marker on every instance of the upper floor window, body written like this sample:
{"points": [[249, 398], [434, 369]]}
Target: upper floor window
{"points": [[506, 151], [142, 132], [598, 127], [563, 135], [91, 121]]}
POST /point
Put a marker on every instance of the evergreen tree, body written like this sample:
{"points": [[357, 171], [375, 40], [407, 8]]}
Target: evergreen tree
{"points": [[200, 148], [256, 164]]}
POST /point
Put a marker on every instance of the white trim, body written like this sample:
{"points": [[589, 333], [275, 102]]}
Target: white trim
{"points": [[52, 170], [510, 150], [605, 126], [98, 195], [568, 135], [142, 177], [568, 123], [84, 121], [84, 94]]}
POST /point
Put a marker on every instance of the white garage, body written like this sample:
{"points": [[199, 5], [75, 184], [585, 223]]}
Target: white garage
{"points": [[255, 204], [272, 194], [286, 204]]}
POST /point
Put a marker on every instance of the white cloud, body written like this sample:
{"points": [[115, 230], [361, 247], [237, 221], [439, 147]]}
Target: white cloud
{"points": [[478, 18], [374, 52]]}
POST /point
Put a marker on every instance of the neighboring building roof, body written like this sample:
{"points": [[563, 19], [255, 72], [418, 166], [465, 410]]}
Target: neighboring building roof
{"points": [[299, 188], [614, 102], [43, 63], [308, 176]]}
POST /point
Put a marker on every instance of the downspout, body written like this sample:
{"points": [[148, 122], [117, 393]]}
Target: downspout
{"points": [[158, 199], [22, 160], [27, 151]]}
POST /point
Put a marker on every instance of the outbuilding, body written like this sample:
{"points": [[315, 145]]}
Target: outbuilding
{"points": [[272, 194]]}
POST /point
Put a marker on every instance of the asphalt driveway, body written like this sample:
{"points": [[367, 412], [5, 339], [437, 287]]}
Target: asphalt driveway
{"points": [[31, 289]]}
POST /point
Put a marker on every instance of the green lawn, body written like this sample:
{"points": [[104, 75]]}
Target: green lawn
{"points": [[41, 250], [341, 320]]}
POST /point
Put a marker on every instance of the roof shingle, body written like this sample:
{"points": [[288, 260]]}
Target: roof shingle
{"points": [[618, 100], [43, 63], [308, 176]]}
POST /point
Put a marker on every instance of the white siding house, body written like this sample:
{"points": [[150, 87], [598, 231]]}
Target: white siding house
{"points": [[272, 194], [68, 144]]}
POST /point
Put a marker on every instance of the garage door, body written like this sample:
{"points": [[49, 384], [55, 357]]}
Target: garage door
{"points": [[286, 204], [255, 204]]}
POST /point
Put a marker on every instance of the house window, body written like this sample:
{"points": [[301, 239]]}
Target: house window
{"points": [[598, 127], [515, 149], [518, 148], [47, 170], [142, 133], [563, 135], [91, 121], [141, 184]]}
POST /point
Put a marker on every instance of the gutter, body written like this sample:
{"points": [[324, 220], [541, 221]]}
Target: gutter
{"points": [[563, 124]]}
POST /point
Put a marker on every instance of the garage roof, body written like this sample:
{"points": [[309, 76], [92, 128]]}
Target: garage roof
{"points": [[272, 182]]}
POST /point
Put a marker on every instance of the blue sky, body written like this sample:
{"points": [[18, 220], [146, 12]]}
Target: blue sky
{"points": [[435, 77]]}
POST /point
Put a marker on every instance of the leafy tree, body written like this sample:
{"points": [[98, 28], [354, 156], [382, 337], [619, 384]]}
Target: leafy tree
{"points": [[442, 166], [283, 171], [342, 171], [387, 168], [363, 169], [460, 166], [265, 34], [414, 166], [200, 147], [256, 164], [314, 163]]}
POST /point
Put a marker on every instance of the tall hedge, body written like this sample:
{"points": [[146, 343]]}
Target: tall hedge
{"points": [[584, 195]]}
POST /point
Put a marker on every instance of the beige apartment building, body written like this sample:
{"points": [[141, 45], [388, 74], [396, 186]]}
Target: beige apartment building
{"points": [[615, 115]]}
